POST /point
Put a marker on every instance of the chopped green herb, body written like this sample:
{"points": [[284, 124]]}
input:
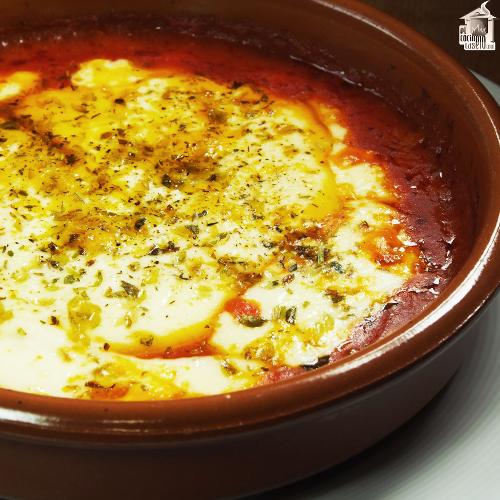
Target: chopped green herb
{"points": [[71, 159], [338, 267], [306, 251], [279, 312], [291, 315], [52, 247], [228, 367], [139, 223], [194, 229], [335, 296], [321, 255], [9, 125], [155, 250], [147, 341], [251, 321], [167, 181], [130, 290], [268, 244], [170, 247], [98, 279]]}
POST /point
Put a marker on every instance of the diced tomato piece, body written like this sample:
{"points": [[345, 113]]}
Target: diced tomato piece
{"points": [[240, 307]]}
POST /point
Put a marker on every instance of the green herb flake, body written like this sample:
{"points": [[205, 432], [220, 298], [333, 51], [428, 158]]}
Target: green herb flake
{"points": [[251, 321], [9, 125], [229, 368], [268, 244], [139, 223], [130, 290], [155, 250], [195, 230], [71, 159], [166, 180], [321, 255], [147, 341], [98, 279], [170, 247], [335, 296], [279, 313], [337, 266], [291, 315]]}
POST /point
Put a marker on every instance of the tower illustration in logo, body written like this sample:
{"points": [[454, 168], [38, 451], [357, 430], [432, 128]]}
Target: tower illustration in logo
{"points": [[477, 33]]}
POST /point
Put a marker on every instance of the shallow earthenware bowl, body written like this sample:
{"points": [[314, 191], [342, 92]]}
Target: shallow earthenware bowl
{"points": [[245, 442]]}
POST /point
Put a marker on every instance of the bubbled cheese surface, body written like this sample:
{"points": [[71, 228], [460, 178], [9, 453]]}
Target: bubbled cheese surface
{"points": [[136, 204]]}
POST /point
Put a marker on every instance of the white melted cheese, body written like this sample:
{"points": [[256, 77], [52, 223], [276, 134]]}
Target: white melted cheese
{"points": [[136, 203]]}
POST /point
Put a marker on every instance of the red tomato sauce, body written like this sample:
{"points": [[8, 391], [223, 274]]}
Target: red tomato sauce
{"points": [[377, 132]]}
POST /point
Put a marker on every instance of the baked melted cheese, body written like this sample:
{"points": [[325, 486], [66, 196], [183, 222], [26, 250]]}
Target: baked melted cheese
{"points": [[137, 204]]}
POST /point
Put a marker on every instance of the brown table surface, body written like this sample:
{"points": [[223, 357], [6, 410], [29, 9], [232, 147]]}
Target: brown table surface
{"points": [[439, 20]]}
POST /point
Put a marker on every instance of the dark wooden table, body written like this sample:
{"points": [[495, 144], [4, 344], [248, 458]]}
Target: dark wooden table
{"points": [[439, 20]]}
